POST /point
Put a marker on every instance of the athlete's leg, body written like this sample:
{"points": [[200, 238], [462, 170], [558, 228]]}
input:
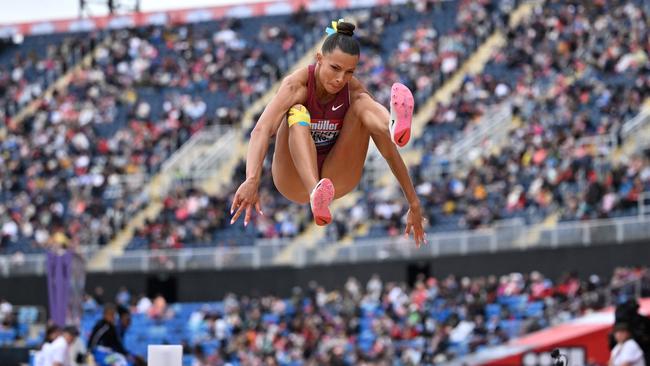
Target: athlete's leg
{"points": [[344, 164], [285, 175], [302, 147], [295, 142], [366, 118]]}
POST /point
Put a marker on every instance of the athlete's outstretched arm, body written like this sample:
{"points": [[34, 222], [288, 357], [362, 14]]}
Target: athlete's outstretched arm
{"points": [[291, 92], [375, 118]]}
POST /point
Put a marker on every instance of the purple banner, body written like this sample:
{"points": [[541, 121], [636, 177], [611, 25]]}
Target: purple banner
{"points": [[58, 285]]}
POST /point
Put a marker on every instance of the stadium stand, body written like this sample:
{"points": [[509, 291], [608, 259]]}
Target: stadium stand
{"points": [[435, 321], [83, 155], [422, 56], [29, 65], [73, 170], [565, 86], [385, 31]]}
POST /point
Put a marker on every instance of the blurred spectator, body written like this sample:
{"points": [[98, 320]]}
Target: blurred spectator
{"points": [[58, 353], [158, 309], [6, 310], [98, 295], [89, 304], [104, 341], [626, 352], [123, 297], [43, 354], [143, 305]]}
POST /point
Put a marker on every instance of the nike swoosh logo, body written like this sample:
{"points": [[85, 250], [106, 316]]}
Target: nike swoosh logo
{"points": [[399, 140], [337, 107]]}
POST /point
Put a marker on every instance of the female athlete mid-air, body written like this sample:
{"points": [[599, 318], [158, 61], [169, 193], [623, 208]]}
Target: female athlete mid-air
{"points": [[323, 119]]}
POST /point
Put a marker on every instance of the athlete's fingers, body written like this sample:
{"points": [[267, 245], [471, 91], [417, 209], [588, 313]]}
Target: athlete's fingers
{"points": [[258, 207], [247, 218], [419, 236], [240, 210], [417, 232], [235, 203], [409, 227]]}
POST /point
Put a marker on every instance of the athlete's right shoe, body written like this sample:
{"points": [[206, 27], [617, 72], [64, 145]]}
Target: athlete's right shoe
{"points": [[401, 114], [320, 198]]}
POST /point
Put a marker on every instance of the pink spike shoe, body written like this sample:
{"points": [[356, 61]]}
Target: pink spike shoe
{"points": [[320, 199], [401, 114]]}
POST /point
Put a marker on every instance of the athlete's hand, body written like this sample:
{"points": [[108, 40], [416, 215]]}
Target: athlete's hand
{"points": [[414, 223], [246, 197]]}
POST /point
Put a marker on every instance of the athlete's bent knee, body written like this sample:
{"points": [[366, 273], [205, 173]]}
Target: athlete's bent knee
{"points": [[299, 115]]}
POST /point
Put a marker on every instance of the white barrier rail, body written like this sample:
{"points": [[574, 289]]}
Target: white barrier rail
{"points": [[263, 252], [491, 240]]}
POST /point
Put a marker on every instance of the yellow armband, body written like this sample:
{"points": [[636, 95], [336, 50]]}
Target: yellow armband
{"points": [[298, 114]]}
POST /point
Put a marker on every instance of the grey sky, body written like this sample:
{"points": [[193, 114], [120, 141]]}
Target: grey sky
{"points": [[29, 10]]}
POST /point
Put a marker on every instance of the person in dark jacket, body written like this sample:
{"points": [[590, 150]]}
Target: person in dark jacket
{"points": [[105, 333], [105, 342]]}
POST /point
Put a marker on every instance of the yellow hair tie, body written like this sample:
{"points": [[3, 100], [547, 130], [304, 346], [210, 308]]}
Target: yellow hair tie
{"points": [[334, 27]]}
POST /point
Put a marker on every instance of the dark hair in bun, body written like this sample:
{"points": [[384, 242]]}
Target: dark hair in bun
{"points": [[343, 39], [345, 28]]}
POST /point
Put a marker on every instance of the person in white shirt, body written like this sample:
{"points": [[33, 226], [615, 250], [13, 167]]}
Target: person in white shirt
{"points": [[5, 309], [144, 304], [59, 351], [626, 352], [42, 356], [77, 348]]}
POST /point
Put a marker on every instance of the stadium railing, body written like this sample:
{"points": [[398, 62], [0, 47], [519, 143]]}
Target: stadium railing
{"points": [[501, 237], [198, 158], [24, 264], [635, 124], [498, 238], [495, 126]]}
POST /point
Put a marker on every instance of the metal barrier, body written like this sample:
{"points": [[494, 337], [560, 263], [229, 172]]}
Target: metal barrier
{"points": [[595, 232], [198, 157], [644, 203], [28, 264], [259, 255], [495, 125], [499, 238], [607, 141], [635, 124]]}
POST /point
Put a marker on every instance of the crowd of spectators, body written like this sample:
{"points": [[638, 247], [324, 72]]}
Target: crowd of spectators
{"points": [[73, 172], [430, 322], [566, 82], [82, 158], [88, 190], [376, 31], [543, 168], [426, 56], [29, 66], [219, 60], [423, 58]]}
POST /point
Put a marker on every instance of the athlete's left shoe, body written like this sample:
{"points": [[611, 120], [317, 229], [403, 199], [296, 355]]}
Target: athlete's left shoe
{"points": [[320, 199], [401, 114]]}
